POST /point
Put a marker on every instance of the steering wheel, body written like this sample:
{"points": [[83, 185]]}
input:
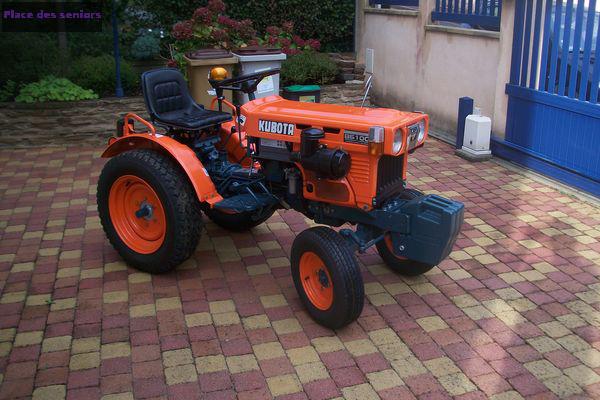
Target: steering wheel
{"points": [[246, 83]]}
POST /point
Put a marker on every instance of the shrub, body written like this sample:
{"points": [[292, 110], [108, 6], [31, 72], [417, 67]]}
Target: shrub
{"points": [[53, 89], [8, 90], [98, 74], [145, 47], [178, 61], [27, 57], [329, 21], [285, 39], [210, 27], [308, 67], [91, 43]]}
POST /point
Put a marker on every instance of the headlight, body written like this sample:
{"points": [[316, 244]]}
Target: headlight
{"points": [[421, 131], [398, 140], [416, 134]]}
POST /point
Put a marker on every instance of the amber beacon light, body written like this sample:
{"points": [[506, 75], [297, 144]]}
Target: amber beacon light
{"points": [[218, 73]]}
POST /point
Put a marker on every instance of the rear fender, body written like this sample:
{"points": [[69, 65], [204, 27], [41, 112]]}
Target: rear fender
{"points": [[181, 154]]}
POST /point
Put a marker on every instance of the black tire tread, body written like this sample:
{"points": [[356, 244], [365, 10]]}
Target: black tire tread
{"points": [[177, 186], [402, 267]]}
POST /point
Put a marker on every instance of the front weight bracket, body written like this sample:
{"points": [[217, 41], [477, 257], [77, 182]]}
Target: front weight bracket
{"points": [[363, 238]]}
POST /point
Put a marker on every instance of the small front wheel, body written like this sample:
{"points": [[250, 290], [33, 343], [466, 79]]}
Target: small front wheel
{"points": [[327, 277]]}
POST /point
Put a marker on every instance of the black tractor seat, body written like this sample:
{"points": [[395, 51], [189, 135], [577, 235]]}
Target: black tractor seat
{"points": [[194, 119], [170, 104]]}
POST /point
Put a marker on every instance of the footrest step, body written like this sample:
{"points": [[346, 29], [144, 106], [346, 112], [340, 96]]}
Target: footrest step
{"points": [[246, 203]]}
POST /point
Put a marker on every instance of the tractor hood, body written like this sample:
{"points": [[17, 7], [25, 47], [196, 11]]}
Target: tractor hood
{"points": [[279, 110]]}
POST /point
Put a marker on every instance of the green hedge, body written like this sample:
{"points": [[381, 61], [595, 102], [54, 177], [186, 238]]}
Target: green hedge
{"points": [[98, 74], [27, 57], [308, 67], [329, 21]]}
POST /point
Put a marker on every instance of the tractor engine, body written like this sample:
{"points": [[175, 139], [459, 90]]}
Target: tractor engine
{"points": [[313, 156], [347, 156]]}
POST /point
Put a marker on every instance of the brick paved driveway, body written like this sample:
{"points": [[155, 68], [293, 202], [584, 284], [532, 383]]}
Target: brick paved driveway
{"points": [[514, 313]]}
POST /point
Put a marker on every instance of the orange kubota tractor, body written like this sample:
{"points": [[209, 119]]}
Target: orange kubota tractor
{"points": [[335, 164]]}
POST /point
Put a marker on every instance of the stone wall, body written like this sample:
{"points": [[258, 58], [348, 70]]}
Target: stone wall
{"points": [[92, 122], [59, 123], [350, 70], [345, 93]]}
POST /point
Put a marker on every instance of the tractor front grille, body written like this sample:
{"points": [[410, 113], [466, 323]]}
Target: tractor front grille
{"points": [[389, 177]]}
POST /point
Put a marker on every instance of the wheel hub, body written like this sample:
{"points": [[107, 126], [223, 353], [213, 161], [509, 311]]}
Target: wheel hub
{"points": [[316, 281], [323, 279], [137, 214], [145, 211]]}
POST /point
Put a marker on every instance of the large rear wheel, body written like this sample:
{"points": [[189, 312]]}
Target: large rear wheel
{"points": [[327, 277], [149, 210]]}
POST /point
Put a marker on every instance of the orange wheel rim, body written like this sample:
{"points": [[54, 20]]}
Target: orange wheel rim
{"points": [[137, 214], [316, 280], [390, 246]]}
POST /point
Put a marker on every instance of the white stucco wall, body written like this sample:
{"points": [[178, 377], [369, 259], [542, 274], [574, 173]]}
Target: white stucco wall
{"points": [[506, 42], [396, 50], [428, 68]]}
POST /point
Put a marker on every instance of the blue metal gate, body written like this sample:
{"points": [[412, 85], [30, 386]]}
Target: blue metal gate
{"points": [[553, 120], [484, 14]]}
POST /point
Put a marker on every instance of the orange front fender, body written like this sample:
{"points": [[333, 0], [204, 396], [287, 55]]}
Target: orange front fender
{"points": [[181, 154]]}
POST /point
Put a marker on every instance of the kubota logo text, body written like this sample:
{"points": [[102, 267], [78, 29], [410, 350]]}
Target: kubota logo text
{"points": [[281, 128]]}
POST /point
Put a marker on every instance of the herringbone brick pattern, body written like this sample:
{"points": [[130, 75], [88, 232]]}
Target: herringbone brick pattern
{"points": [[514, 313]]}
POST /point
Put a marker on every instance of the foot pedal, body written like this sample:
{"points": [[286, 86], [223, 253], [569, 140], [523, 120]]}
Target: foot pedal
{"points": [[246, 203]]}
